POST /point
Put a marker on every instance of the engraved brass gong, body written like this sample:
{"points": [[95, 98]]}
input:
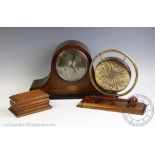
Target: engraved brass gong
{"points": [[113, 74]]}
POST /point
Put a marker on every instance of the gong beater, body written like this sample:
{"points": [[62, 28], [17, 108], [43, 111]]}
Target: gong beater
{"points": [[113, 78]]}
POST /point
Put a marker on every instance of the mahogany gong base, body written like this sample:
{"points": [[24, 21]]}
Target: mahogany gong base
{"points": [[112, 104]]}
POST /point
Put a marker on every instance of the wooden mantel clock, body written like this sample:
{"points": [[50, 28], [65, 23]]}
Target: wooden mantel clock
{"points": [[69, 76]]}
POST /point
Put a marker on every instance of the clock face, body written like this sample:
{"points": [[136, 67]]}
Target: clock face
{"points": [[71, 65], [112, 74]]}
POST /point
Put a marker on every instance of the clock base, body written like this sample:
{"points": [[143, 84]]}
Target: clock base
{"points": [[70, 96], [112, 104], [84, 89]]}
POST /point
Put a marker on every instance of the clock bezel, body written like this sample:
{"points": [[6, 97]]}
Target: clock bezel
{"points": [[67, 50]]}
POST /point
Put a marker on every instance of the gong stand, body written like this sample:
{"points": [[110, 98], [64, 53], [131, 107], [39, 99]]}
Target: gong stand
{"points": [[57, 87], [113, 104], [110, 101]]}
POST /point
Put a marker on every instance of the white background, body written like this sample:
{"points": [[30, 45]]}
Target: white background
{"points": [[26, 55], [77, 140]]}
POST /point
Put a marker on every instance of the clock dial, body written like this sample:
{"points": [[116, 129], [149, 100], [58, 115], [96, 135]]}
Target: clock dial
{"points": [[72, 65], [112, 74]]}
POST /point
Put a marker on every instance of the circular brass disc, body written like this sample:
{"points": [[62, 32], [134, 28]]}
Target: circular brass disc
{"points": [[101, 90], [112, 74]]}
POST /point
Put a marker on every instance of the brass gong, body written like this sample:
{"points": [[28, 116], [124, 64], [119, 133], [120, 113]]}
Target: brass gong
{"points": [[113, 74]]}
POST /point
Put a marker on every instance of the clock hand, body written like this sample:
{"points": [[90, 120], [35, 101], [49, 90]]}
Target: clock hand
{"points": [[73, 60]]}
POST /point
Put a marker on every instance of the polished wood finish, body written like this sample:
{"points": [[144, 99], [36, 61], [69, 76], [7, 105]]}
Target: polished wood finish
{"points": [[58, 88], [17, 114], [28, 96], [133, 101], [112, 104], [29, 103]]}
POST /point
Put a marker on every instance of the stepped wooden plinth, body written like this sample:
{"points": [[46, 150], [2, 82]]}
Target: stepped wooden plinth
{"points": [[29, 103]]}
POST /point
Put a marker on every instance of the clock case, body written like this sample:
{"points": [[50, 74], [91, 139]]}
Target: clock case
{"points": [[59, 88]]}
